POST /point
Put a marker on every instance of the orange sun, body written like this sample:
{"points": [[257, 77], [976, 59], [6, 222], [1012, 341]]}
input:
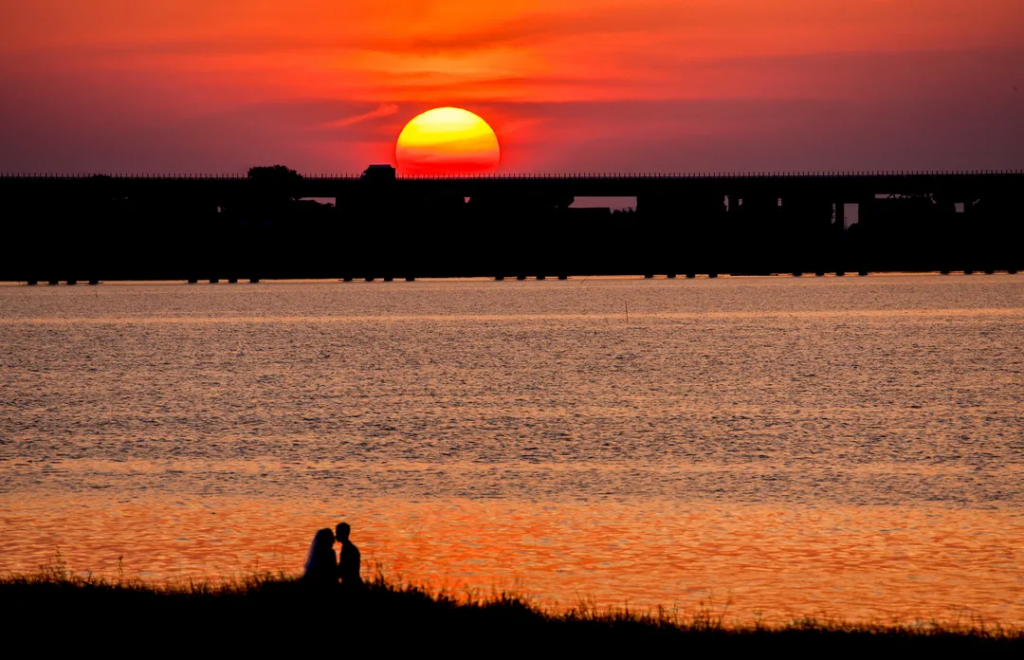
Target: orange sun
{"points": [[447, 141]]}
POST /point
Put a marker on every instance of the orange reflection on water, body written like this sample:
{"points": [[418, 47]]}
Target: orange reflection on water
{"points": [[858, 563]]}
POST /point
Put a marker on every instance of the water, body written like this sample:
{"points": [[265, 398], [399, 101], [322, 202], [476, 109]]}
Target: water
{"points": [[775, 447]]}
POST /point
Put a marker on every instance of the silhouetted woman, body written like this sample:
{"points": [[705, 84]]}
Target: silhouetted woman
{"points": [[321, 565]]}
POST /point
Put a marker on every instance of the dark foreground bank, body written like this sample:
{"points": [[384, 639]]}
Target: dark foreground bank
{"points": [[276, 614]]}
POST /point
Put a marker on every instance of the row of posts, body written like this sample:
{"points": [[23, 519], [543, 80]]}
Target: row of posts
{"points": [[501, 278]]}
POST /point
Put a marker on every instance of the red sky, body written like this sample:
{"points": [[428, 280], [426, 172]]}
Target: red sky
{"points": [[569, 85]]}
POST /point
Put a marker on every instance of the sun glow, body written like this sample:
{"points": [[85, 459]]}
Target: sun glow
{"points": [[447, 141]]}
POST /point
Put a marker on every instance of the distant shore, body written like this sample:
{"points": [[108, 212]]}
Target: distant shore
{"points": [[265, 611]]}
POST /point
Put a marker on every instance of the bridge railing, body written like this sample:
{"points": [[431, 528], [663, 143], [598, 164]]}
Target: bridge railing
{"points": [[529, 176]]}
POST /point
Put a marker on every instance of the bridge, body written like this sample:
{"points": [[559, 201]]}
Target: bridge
{"points": [[195, 227]]}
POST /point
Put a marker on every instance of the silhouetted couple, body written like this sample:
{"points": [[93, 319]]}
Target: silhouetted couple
{"points": [[324, 570]]}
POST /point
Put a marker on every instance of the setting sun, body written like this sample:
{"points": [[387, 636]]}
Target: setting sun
{"points": [[447, 141]]}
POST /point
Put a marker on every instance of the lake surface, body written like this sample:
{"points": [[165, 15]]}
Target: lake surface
{"points": [[773, 447]]}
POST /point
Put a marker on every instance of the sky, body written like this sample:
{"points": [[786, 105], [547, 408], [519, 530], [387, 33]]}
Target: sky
{"points": [[326, 86]]}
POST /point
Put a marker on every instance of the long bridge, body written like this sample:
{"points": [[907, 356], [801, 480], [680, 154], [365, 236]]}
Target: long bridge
{"points": [[90, 228]]}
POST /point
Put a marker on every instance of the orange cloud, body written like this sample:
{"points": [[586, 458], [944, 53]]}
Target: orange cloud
{"points": [[75, 68]]}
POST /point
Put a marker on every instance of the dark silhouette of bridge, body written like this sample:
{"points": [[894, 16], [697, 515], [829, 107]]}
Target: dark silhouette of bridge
{"points": [[268, 225]]}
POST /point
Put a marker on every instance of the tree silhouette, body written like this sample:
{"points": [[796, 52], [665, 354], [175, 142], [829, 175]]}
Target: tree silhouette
{"points": [[277, 181]]}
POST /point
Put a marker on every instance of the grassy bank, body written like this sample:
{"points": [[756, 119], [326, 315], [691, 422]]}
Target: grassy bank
{"points": [[264, 613]]}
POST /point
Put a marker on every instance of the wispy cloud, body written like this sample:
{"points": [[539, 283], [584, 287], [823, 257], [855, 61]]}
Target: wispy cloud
{"points": [[384, 110]]}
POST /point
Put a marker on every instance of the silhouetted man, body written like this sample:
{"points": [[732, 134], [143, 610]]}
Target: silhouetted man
{"points": [[349, 561]]}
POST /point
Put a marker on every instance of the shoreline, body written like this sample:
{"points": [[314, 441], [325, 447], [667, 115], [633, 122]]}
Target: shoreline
{"points": [[277, 603]]}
